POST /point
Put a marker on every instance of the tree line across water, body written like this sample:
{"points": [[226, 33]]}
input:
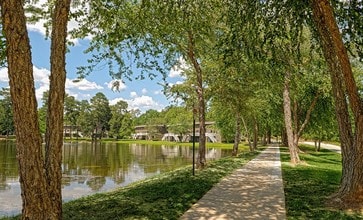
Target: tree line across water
{"points": [[117, 121]]}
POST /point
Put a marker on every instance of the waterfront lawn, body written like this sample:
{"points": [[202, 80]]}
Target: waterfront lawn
{"points": [[308, 186], [160, 143], [166, 196]]}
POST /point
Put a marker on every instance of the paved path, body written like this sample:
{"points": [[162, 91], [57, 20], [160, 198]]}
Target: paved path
{"points": [[254, 191], [331, 147]]}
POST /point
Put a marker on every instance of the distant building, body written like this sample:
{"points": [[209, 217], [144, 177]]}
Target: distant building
{"points": [[160, 132], [149, 132], [71, 131]]}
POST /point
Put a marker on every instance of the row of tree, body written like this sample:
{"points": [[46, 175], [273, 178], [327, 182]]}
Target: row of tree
{"points": [[251, 60], [98, 118]]}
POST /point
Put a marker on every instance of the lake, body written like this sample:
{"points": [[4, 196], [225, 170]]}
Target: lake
{"points": [[90, 168]]}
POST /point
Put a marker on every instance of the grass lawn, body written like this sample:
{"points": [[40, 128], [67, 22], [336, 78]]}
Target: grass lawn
{"points": [[308, 186], [160, 143]]}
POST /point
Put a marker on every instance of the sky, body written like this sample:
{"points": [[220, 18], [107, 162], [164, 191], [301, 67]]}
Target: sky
{"points": [[139, 94]]}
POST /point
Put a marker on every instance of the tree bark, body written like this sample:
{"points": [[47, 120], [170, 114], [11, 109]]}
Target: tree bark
{"points": [[201, 160], [350, 193], [237, 136], [54, 125], [40, 179], [284, 137], [293, 149], [247, 134], [28, 138], [255, 133]]}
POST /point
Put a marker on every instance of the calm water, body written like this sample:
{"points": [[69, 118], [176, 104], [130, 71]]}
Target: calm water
{"points": [[90, 168]]}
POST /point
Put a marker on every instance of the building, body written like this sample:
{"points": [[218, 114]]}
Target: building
{"points": [[160, 132], [71, 131]]}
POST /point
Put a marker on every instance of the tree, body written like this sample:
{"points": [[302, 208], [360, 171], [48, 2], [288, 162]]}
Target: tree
{"points": [[127, 126], [235, 91], [119, 112], [6, 114], [344, 86], [101, 114], [2, 49], [71, 112], [40, 178], [157, 31], [85, 118], [42, 112], [153, 121], [178, 119]]}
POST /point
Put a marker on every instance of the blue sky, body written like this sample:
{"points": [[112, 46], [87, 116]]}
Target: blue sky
{"points": [[139, 94]]}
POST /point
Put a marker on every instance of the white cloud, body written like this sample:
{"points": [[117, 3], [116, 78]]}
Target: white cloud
{"points": [[143, 103], [4, 75], [144, 91], [41, 81], [113, 83], [133, 94], [178, 68], [114, 101], [40, 91], [41, 75], [82, 85]]}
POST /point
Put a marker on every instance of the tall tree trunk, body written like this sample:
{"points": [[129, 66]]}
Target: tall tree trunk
{"points": [[247, 134], [54, 125], [298, 130], [293, 149], [237, 136], [268, 135], [284, 137], [29, 142], [255, 133], [264, 139], [40, 179], [201, 160], [350, 192]]}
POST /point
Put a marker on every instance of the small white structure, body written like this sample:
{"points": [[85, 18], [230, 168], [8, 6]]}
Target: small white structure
{"points": [[171, 137]]}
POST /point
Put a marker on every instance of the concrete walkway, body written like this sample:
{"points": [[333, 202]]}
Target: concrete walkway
{"points": [[254, 191]]}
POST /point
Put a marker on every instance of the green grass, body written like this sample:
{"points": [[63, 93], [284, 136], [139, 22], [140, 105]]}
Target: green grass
{"points": [[308, 186], [159, 143], [166, 196]]}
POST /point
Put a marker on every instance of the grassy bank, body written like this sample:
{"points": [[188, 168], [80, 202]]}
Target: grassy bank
{"points": [[308, 186], [158, 143], [165, 196]]}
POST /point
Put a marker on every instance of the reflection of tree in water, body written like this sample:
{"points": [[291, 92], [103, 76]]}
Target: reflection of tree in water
{"points": [[91, 164], [8, 164], [96, 183], [3, 185], [95, 160], [163, 158]]}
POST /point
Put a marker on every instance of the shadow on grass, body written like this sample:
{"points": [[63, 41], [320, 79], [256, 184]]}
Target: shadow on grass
{"points": [[166, 196], [308, 186]]}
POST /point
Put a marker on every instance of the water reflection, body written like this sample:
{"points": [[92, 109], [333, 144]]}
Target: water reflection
{"points": [[90, 168]]}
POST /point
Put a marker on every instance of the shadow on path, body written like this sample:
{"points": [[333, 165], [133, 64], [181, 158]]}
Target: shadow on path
{"points": [[254, 191]]}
